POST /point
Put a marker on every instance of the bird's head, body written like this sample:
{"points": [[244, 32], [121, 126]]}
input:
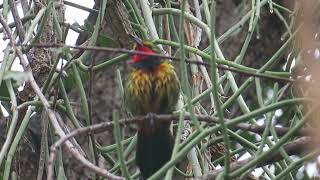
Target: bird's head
{"points": [[145, 61]]}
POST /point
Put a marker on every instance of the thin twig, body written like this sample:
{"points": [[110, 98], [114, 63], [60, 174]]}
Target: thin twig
{"points": [[108, 125], [131, 52]]}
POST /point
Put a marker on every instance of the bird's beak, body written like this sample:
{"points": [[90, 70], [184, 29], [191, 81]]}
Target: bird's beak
{"points": [[138, 40]]}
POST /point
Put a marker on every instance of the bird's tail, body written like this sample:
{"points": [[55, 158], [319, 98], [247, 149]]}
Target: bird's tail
{"points": [[154, 149]]}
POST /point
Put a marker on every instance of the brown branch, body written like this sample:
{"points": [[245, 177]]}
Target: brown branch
{"points": [[101, 127], [295, 147], [243, 126], [121, 50]]}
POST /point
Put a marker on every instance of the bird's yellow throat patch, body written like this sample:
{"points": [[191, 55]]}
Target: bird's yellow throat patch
{"points": [[145, 78]]}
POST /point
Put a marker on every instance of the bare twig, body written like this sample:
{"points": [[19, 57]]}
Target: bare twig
{"points": [[101, 127], [121, 50]]}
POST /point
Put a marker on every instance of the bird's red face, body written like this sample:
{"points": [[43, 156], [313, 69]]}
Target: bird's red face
{"points": [[138, 58]]}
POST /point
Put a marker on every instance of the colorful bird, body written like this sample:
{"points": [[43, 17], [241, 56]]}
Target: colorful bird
{"points": [[151, 87]]}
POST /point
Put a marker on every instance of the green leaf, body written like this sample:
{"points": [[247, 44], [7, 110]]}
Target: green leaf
{"points": [[65, 51], [103, 40], [88, 26], [17, 77], [77, 25], [69, 80], [4, 93]]}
